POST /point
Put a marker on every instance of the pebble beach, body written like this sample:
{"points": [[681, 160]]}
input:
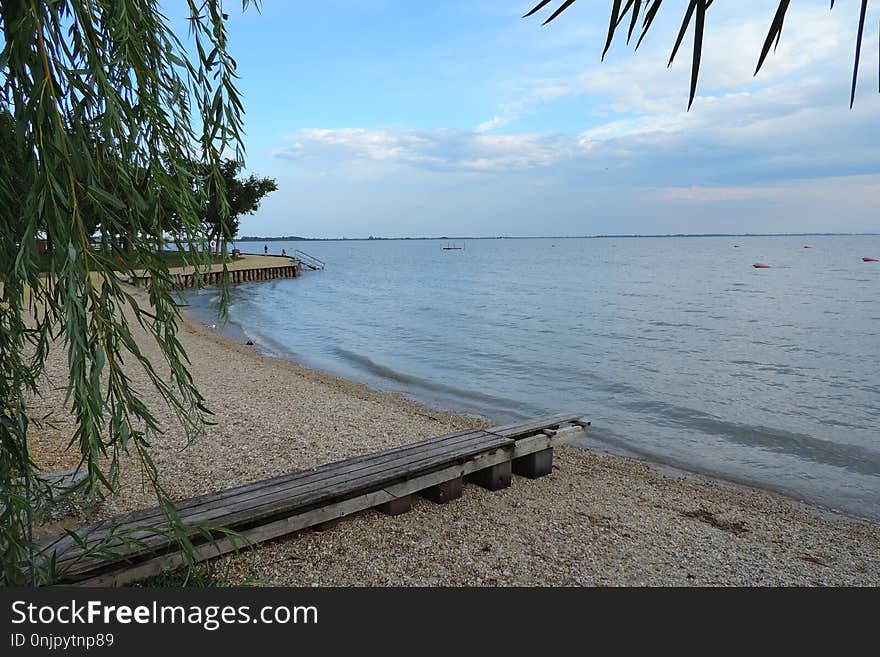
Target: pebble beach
{"points": [[597, 520]]}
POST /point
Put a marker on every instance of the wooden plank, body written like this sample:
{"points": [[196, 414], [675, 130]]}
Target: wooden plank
{"points": [[531, 426], [155, 514], [252, 509], [337, 479], [269, 504], [297, 495], [126, 574]]}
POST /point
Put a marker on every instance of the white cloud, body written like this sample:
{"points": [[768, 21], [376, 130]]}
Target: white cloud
{"points": [[494, 122], [430, 149], [776, 152]]}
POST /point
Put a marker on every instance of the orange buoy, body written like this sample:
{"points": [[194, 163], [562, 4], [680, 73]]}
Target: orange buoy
{"points": [[760, 265], [871, 259]]}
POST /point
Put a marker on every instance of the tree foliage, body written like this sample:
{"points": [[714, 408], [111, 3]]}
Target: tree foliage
{"points": [[242, 195], [695, 14], [110, 109]]}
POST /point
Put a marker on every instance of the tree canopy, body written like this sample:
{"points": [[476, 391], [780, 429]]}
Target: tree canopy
{"points": [[242, 195]]}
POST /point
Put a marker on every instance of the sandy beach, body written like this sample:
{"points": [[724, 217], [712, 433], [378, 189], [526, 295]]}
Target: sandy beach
{"points": [[596, 520]]}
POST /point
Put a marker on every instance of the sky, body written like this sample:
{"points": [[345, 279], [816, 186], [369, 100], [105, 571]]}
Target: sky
{"points": [[461, 118]]}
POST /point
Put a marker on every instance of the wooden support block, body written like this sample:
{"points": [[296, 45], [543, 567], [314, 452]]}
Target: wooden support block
{"points": [[448, 490], [327, 525], [534, 465], [396, 506], [495, 477]]}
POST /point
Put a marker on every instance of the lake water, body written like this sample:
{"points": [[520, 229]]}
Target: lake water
{"points": [[677, 349]]}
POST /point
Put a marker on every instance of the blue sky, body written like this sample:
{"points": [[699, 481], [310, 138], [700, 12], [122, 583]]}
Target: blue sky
{"points": [[398, 118]]}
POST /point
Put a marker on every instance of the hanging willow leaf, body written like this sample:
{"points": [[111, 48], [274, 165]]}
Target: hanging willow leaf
{"points": [[700, 21], [682, 30], [111, 131], [612, 25], [634, 20], [852, 97], [774, 33], [649, 20], [538, 7], [565, 5], [698, 8]]}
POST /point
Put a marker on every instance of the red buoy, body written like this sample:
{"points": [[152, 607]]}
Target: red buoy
{"points": [[871, 259], [760, 265]]}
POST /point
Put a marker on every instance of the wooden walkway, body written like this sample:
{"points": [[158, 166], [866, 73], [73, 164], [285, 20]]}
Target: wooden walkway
{"points": [[185, 280], [263, 510]]}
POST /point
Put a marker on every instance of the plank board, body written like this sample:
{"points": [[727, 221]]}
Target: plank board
{"points": [[252, 510], [307, 495], [532, 426], [155, 514], [282, 527], [325, 474]]}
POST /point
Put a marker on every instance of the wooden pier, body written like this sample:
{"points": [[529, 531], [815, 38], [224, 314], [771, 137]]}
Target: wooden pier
{"points": [[189, 279], [435, 468]]}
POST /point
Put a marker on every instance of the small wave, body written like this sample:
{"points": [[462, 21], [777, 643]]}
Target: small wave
{"points": [[842, 455], [390, 374]]}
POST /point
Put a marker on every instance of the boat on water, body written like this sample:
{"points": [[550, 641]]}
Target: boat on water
{"points": [[452, 247]]}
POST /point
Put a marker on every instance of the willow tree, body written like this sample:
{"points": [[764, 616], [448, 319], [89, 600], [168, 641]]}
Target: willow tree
{"points": [[103, 97], [637, 17]]}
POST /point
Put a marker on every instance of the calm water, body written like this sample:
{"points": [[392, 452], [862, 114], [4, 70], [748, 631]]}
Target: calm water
{"points": [[676, 348]]}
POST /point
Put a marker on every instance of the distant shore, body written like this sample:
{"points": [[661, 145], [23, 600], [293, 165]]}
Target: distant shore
{"points": [[296, 238], [596, 520]]}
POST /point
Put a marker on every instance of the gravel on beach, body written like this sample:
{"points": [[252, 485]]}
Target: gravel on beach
{"points": [[597, 519]]}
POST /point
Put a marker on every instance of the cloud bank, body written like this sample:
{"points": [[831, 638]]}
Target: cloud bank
{"points": [[776, 152]]}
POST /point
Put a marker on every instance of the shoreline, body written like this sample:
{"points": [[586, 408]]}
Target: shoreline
{"points": [[236, 334], [598, 519]]}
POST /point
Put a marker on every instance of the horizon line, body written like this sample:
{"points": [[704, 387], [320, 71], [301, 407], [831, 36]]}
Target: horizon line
{"points": [[372, 238]]}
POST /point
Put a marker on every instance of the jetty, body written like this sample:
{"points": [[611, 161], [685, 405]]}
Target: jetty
{"points": [[141, 544], [248, 267]]}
